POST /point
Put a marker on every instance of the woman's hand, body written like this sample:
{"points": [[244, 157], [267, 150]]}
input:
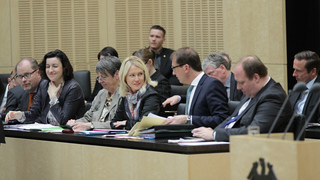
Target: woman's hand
{"points": [[53, 90], [119, 123], [13, 115]]}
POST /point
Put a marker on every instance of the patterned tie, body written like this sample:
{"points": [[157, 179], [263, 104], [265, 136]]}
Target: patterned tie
{"points": [[188, 99], [30, 100]]}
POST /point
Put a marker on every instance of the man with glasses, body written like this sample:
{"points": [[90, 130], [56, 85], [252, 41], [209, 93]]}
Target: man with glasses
{"points": [[217, 66], [20, 98], [207, 102]]}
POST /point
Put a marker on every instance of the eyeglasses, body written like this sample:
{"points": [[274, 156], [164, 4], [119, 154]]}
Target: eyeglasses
{"points": [[101, 78], [26, 76], [177, 66]]}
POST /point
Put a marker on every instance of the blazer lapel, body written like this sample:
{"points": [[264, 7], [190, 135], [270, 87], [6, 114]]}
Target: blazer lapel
{"points": [[197, 92]]}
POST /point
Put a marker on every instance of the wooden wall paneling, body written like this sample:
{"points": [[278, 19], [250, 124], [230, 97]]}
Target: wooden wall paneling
{"points": [[257, 27], [5, 34]]}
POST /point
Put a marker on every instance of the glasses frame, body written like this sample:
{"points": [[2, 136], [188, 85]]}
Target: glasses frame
{"points": [[26, 76], [102, 79], [180, 65]]}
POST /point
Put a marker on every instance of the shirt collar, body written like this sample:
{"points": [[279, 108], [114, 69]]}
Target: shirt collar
{"points": [[310, 83], [197, 79], [227, 83]]}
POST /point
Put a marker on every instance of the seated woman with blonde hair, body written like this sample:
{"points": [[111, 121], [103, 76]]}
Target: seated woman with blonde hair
{"points": [[138, 98]]}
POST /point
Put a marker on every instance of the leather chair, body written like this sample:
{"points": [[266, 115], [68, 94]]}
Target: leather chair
{"points": [[232, 106], [176, 90], [181, 109], [298, 125], [4, 78], [83, 78], [179, 90]]}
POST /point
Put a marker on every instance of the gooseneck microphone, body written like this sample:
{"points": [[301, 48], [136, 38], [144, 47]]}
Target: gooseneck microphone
{"points": [[299, 87], [316, 87]]}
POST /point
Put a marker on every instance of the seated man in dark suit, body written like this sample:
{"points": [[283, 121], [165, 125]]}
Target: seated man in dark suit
{"points": [[306, 67], [12, 82], [20, 98], [260, 106], [215, 65], [207, 102]]}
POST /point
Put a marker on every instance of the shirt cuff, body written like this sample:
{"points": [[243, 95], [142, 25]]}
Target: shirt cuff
{"points": [[178, 97], [23, 117], [214, 134]]}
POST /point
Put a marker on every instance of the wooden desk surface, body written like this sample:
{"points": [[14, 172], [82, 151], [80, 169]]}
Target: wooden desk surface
{"points": [[143, 144]]}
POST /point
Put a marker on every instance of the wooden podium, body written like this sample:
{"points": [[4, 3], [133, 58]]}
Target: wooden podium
{"points": [[289, 159]]}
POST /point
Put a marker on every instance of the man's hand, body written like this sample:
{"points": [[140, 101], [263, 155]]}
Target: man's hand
{"points": [[172, 101], [13, 115], [119, 123], [179, 119], [204, 133], [71, 122], [81, 126]]}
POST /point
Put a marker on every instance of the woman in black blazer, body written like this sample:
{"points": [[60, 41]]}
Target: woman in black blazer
{"points": [[138, 98], [59, 97]]}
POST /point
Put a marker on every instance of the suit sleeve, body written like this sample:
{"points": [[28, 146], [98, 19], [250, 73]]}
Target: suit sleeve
{"points": [[73, 101], [217, 102], [120, 114], [151, 105], [164, 89], [262, 115], [12, 102]]}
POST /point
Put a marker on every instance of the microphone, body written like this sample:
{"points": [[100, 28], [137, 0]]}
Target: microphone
{"points": [[299, 87], [316, 87]]}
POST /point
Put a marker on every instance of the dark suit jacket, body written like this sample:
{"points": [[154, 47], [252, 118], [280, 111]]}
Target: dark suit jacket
{"points": [[163, 89], [165, 66], [15, 101], [235, 94], [70, 105], [2, 139], [261, 111], [149, 103], [311, 101], [209, 105], [2, 91]]}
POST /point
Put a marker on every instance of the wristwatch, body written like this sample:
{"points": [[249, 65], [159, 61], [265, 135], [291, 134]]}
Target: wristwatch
{"points": [[189, 119], [92, 127]]}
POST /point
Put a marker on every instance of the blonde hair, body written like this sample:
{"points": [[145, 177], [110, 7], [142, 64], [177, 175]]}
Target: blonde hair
{"points": [[126, 64]]}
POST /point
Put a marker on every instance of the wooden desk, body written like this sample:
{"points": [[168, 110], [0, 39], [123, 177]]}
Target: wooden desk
{"points": [[30, 155]]}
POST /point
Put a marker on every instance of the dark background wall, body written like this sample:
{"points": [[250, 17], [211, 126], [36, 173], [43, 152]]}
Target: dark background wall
{"points": [[303, 30]]}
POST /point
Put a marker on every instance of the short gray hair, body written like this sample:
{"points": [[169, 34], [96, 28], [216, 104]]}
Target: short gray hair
{"points": [[110, 64], [222, 53], [215, 60]]}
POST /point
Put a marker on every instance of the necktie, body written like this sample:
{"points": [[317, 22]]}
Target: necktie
{"points": [[302, 100], [230, 121], [188, 99], [30, 100]]}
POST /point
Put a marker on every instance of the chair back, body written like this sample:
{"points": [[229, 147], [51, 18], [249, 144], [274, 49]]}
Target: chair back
{"points": [[232, 106], [298, 125], [83, 78], [181, 109]]}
